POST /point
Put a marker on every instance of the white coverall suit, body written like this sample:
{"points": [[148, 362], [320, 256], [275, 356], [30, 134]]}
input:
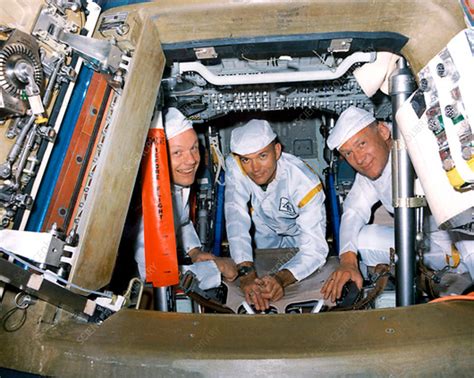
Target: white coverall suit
{"points": [[373, 242], [186, 239], [289, 213]]}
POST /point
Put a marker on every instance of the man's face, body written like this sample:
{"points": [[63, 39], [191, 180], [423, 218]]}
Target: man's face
{"points": [[368, 150], [184, 157], [261, 166]]}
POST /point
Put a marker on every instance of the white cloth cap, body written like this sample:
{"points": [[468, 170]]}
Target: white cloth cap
{"points": [[350, 122], [252, 137], [374, 76], [176, 123]]}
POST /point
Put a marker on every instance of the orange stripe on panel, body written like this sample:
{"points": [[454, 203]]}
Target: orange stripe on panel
{"points": [[60, 206]]}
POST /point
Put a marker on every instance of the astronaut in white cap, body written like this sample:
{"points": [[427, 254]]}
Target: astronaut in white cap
{"points": [[183, 149], [365, 143], [287, 201]]}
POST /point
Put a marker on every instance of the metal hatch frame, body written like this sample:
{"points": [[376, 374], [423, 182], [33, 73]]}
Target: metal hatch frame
{"points": [[424, 339]]}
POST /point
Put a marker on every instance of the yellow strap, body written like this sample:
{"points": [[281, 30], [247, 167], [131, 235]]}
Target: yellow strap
{"points": [[455, 178], [239, 164], [308, 197], [470, 163], [40, 120], [454, 259]]}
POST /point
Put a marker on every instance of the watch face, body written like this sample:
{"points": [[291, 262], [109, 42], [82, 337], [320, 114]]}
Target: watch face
{"points": [[244, 270]]}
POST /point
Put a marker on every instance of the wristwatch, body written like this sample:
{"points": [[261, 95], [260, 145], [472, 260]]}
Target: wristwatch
{"points": [[245, 270]]}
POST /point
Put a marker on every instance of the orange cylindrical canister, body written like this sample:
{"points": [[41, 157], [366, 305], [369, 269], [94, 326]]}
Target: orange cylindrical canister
{"points": [[160, 240]]}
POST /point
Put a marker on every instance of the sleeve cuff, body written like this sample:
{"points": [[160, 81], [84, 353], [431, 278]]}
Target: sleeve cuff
{"points": [[348, 247], [207, 273]]}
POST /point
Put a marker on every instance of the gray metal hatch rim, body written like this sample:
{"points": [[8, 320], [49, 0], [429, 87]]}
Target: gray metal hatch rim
{"points": [[399, 40]]}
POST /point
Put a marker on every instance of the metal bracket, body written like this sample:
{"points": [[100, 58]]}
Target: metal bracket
{"points": [[102, 54], [58, 33], [409, 202], [41, 247], [115, 21], [340, 45], [40, 287], [205, 53], [48, 26], [73, 5]]}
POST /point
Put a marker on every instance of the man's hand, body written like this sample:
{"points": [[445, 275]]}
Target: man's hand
{"points": [[272, 288], [197, 255], [348, 270], [274, 285], [251, 286], [227, 267]]}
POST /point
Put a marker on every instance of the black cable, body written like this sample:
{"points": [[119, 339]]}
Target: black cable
{"points": [[9, 314]]}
